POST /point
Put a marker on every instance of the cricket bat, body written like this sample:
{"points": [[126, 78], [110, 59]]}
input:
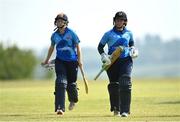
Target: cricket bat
{"points": [[84, 79], [51, 65], [114, 56]]}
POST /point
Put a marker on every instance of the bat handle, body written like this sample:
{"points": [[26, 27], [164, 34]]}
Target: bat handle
{"points": [[98, 74], [82, 72]]}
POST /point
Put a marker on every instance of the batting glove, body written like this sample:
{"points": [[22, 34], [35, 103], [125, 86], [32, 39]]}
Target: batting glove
{"points": [[50, 65], [121, 47], [105, 59], [133, 52]]}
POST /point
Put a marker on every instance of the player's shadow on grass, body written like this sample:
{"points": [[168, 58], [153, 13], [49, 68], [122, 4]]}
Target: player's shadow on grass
{"points": [[156, 116], [13, 115], [52, 115], [170, 102]]}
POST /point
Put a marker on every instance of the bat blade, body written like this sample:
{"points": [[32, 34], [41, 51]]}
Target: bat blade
{"points": [[84, 79], [114, 56], [86, 85]]}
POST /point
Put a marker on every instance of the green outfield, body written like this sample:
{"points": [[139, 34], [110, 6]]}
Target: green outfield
{"points": [[31, 101]]}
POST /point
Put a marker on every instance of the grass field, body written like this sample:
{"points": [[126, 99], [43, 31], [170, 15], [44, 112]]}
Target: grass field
{"points": [[31, 101]]}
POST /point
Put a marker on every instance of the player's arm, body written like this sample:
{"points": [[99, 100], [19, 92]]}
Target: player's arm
{"points": [[133, 50], [131, 43], [50, 51], [79, 55], [101, 48]]}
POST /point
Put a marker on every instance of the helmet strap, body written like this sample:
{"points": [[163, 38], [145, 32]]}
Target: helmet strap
{"points": [[120, 28]]}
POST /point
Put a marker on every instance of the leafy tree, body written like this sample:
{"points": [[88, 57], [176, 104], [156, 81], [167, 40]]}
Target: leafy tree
{"points": [[16, 63]]}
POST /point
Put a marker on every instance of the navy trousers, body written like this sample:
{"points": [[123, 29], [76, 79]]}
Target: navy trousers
{"points": [[119, 88], [66, 77]]}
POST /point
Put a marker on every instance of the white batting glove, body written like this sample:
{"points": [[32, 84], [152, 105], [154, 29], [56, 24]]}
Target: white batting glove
{"points": [[105, 59], [121, 47], [50, 65], [133, 52]]}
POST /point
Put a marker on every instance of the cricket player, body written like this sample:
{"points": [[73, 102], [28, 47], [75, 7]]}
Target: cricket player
{"points": [[119, 73], [68, 58]]}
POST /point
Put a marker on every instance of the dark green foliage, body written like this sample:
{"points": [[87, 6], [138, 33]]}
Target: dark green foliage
{"points": [[16, 63]]}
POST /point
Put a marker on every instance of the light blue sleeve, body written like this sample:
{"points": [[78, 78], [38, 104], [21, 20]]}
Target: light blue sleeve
{"points": [[104, 39], [52, 40], [131, 37], [75, 38]]}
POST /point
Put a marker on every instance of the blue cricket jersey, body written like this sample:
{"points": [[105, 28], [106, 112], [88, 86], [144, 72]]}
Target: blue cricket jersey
{"points": [[65, 45], [114, 38]]}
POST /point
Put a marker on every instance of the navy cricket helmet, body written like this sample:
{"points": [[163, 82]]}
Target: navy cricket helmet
{"points": [[121, 15], [61, 16]]}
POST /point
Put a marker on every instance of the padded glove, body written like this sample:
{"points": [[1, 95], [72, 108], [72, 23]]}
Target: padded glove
{"points": [[133, 52], [105, 59]]}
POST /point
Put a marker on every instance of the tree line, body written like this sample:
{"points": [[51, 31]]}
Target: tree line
{"points": [[154, 50], [16, 63]]}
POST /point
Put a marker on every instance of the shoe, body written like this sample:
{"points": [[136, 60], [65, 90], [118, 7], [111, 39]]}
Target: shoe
{"points": [[117, 113], [59, 112], [124, 114], [71, 106]]}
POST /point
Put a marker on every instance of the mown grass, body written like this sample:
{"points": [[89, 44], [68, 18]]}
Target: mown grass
{"points": [[30, 101]]}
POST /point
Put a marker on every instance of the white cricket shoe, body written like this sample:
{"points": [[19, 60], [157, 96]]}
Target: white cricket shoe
{"points": [[117, 113], [124, 114], [60, 112], [71, 106]]}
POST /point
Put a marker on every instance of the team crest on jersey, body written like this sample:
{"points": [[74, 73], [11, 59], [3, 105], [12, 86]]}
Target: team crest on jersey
{"points": [[68, 37], [126, 36]]}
